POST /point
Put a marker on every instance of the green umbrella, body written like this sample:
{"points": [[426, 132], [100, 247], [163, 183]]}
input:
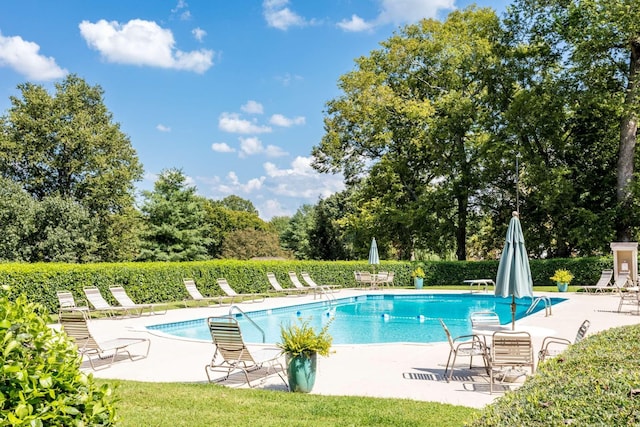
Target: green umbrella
{"points": [[514, 273], [374, 259]]}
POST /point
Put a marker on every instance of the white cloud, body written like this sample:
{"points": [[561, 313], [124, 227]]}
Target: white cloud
{"points": [[301, 180], [252, 107], [233, 185], [279, 16], [290, 187], [270, 208], [198, 33], [163, 128], [280, 120], [288, 78], [409, 11], [140, 42], [253, 146], [274, 151], [232, 123], [222, 147], [185, 15], [24, 57], [398, 12], [356, 24], [250, 146]]}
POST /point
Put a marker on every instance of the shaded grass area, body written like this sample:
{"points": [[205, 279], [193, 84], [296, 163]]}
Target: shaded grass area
{"points": [[181, 404], [595, 382]]}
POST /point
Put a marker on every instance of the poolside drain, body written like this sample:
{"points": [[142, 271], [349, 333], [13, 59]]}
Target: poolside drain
{"points": [[419, 376]]}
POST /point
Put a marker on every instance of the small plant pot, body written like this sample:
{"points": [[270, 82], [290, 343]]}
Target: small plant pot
{"points": [[562, 287], [301, 372], [417, 282]]}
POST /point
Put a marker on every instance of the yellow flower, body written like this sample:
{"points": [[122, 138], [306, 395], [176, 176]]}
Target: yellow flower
{"points": [[562, 276]]}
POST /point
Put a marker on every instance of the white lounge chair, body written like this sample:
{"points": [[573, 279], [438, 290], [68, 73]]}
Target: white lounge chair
{"points": [[68, 303], [603, 283], [227, 289], [309, 281], [510, 349], [481, 319], [232, 354], [74, 324], [100, 304], [195, 294], [464, 346], [297, 283], [273, 281], [124, 300], [552, 346]]}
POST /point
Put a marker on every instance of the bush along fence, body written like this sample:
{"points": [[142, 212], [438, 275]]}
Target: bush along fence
{"points": [[156, 282]]}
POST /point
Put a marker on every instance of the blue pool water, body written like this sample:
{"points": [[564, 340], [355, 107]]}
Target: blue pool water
{"points": [[369, 319]]}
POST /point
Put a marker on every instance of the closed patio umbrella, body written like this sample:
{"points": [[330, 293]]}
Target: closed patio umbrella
{"points": [[374, 259], [514, 274]]}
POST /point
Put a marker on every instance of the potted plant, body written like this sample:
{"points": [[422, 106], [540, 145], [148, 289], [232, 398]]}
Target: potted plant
{"points": [[418, 277], [562, 279], [301, 344]]}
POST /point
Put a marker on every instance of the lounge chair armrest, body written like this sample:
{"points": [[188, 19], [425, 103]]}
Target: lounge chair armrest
{"points": [[554, 340], [472, 337]]}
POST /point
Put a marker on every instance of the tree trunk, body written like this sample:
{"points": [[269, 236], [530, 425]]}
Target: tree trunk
{"points": [[626, 153], [461, 231]]}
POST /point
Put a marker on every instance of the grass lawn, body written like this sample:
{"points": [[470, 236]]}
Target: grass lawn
{"points": [[178, 404]]}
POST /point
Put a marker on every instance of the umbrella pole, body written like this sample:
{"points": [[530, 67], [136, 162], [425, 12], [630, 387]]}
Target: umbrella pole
{"points": [[513, 312]]}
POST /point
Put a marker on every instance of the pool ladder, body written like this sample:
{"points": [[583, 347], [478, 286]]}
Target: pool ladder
{"points": [[547, 305], [238, 309], [326, 292]]}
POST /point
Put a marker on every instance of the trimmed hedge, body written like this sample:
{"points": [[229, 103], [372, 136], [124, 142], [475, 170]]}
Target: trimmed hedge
{"points": [[595, 382], [155, 282]]}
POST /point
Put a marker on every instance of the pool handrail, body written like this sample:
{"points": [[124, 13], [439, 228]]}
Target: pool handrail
{"points": [[235, 307]]}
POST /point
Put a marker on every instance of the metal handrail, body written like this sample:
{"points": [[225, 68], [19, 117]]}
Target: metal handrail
{"points": [[547, 305], [324, 290], [235, 307]]}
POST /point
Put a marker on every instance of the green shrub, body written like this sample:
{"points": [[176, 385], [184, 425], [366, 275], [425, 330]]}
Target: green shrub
{"points": [[157, 282], [596, 382], [40, 380]]}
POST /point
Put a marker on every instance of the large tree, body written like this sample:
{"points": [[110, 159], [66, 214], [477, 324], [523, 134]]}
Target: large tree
{"points": [[175, 221], [67, 145], [410, 128], [594, 45]]}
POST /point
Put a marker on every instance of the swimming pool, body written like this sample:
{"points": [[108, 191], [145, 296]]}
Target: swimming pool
{"points": [[369, 319]]}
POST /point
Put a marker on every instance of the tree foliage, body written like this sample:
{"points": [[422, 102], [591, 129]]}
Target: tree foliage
{"points": [[175, 221], [410, 128], [250, 243], [581, 62], [42, 384], [66, 145]]}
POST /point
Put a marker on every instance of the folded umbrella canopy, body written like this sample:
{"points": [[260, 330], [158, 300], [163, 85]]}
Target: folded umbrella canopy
{"points": [[374, 259], [514, 273]]}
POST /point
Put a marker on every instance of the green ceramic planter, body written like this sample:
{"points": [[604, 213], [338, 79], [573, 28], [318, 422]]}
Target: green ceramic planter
{"points": [[562, 287], [301, 371], [417, 281]]}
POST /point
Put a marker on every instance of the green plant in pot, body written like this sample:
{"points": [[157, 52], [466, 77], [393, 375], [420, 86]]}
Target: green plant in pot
{"points": [[562, 279], [301, 344], [418, 277]]}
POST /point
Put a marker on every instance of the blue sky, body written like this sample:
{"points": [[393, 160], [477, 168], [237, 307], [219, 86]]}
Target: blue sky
{"points": [[231, 92]]}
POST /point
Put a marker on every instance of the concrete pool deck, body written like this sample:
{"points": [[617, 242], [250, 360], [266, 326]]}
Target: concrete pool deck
{"points": [[411, 371]]}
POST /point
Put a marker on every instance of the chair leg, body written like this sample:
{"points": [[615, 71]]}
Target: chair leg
{"points": [[490, 380], [455, 355], [447, 367]]}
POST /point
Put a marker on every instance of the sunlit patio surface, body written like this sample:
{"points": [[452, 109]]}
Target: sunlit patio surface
{"points": [[411, 371]]}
